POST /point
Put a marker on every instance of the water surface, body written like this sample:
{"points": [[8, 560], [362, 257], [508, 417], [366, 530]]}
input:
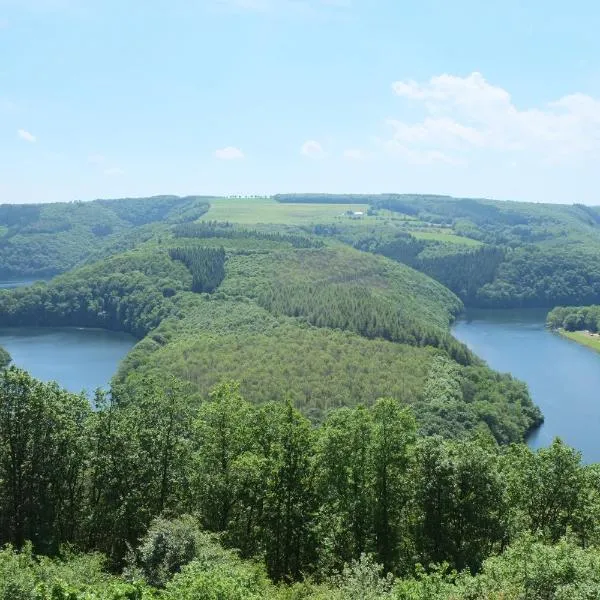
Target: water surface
{"points": [[7, 285], [78, 359], [563, 376]]}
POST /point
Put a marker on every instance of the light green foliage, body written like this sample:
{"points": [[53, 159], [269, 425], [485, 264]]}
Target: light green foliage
{"points": [[24, 576], [575, 318], [442, 236], [206, 339], [267, 210], [528, 569]]}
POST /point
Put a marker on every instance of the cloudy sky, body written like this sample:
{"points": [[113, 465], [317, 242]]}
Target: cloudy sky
{"points": [[107, 98]]}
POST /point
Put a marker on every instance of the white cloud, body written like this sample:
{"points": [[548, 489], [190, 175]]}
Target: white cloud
{"points": [[466, 114], [26, 136], [229, 153], [312, 149], [114, 171], [353, 154]]}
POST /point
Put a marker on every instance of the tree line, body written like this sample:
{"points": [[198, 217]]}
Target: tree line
{"points": [[303, 501], [214, 229], [575, 318], [357, 308]]}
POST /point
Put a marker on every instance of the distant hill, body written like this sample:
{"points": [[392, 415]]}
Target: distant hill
{"points": [[41, 240], [491, 253]]}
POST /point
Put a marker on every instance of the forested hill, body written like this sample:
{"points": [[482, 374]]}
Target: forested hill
{"points": [[490, 253], [330, 325], [40, 240]]}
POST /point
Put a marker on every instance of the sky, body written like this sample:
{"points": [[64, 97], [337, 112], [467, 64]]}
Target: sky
{"points": [[119, 98]]}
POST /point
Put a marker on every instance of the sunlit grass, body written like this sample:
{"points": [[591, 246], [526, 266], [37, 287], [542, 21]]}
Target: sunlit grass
{"points": [[439, 236], [267, 210], [583, 337]]}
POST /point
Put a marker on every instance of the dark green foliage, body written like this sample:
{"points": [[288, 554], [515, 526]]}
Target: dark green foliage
{"points": [[298, 500], [207, 266], [212, 229], [45, 239], [127, 293], [537, 277], [575, 318], [43, 454], [462, 269], [462, 513], [140, 211], [533, 255], [5, 358], [140, 465], [359, 309]]}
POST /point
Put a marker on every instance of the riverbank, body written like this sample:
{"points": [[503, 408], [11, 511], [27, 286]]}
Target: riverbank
{"points": [[591, 340]]}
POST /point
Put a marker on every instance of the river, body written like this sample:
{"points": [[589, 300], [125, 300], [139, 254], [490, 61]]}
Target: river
{"points": [[563, 376], [78, 359], [8, 285]]}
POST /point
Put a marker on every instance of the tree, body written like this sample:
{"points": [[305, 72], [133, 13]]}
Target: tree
{"points": [[393, 439], [43, 453], [142, 460]]}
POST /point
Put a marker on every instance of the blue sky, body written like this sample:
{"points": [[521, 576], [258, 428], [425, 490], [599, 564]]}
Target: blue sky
{"points": [[113, 98]]}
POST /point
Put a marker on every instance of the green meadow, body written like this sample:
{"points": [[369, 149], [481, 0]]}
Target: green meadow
{"points": [[267, 210], [583, 337]]}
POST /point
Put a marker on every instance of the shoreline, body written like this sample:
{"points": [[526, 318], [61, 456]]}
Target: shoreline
{"points": [[581, 337]]}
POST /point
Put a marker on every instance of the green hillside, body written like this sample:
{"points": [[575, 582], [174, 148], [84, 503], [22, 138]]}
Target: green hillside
{"points": [[332, 325], [41, 240], [490, 253]]}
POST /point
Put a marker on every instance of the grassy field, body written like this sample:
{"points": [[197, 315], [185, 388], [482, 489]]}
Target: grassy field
{"points": [[582, 337], [440, 236], [267, 210]]}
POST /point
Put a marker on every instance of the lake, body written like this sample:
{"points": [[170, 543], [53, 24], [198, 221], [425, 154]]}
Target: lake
{"points": [[563, 376], [78, 359], [7, 285]]}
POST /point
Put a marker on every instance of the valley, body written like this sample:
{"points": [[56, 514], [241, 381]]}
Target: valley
{"points": [[293, 382]]}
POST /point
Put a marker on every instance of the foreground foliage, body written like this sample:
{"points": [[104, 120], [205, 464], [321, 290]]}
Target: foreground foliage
{"points": [[348, 509]]}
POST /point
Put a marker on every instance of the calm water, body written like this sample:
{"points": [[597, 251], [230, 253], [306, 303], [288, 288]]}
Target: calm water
{"points": [[6, 285], [78, 359], [563, 377]]}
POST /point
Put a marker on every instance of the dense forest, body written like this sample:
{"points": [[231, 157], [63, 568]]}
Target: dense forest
{"points": [[334, 326], [296, 420], [41, 240], [491, 253], [226, 499]]}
